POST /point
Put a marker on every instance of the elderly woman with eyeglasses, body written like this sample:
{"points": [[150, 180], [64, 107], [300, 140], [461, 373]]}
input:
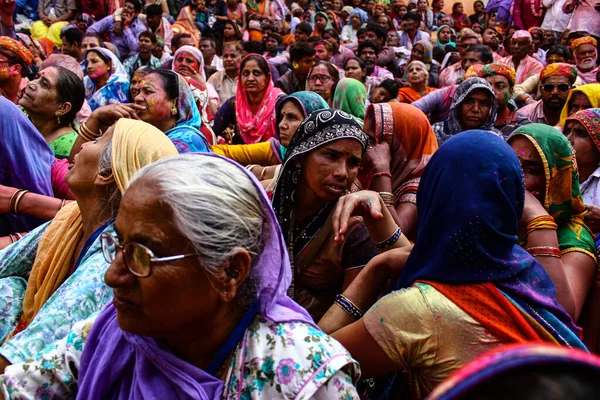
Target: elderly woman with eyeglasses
{"points": [[200, 271], [322, 79]]}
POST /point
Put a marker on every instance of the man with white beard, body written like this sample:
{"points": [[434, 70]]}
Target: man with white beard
{"points": [[586, 55]]}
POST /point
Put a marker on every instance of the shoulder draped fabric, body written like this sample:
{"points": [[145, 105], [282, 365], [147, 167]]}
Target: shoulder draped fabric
{"points": [[364, 17], [412, 141], [257, 127], [450, 43], [563, 198], [473, 223], [308, 102], [121, 365], [511, 360], [591, 90], [25, 163], [351, 96], [186, 135], [446, 129], [116, 89], [185, 23], [134, 144], [318, 129]]}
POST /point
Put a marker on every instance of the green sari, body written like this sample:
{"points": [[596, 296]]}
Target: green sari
{"points": [[562, 199], [351, 96]]}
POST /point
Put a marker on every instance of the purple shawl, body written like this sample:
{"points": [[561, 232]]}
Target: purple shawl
{"points": [[119, 365], [25, 163]]}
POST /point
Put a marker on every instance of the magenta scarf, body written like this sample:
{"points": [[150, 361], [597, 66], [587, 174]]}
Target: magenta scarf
{"points": [[120, 365]]}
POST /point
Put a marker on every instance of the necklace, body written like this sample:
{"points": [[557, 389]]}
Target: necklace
{"points": [[537, 14]]}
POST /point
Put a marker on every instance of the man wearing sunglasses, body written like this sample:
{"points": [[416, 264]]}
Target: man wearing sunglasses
{"points": [[556, 81]]}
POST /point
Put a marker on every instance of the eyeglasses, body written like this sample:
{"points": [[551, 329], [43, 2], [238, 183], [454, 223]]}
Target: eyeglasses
{"points": [[138, 258], [322, 78], [563, 87]]}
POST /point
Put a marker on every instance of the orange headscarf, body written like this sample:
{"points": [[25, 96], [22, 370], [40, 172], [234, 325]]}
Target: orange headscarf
{"points": [[412, 141]]}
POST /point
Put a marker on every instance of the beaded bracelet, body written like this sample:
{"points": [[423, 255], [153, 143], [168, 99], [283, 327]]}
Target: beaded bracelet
{"points": [[348, 306], [389, 241], [544, 251]]}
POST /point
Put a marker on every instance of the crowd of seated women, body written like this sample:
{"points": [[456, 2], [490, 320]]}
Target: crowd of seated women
{"points": [[298, 200]]}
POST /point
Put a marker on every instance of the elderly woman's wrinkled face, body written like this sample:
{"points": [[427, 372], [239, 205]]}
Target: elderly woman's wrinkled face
{"points": [[586, 152], [186, 64], [355, 21], [416, 74], [177, 294], [320, 81], [83, 172], [475, 109], [40, 95], [291, 117], [330, 170], [96, 67], [533, 168], [253, 78], [153, 97]]}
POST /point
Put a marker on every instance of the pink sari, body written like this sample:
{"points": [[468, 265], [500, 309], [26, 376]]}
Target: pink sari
{"points": [[259, 127]]}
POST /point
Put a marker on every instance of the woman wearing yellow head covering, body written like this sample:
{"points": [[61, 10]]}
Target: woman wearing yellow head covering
{"points": [[580, 98], [63, 258]]}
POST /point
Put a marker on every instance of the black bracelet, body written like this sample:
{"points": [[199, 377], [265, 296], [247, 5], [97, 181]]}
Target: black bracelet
{"points": [[389, 241], [348, 306]]}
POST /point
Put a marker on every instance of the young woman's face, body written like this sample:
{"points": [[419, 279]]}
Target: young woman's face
{"points": [[380, 95], [254, 80], [418, 53], [96, 66], [533, 169], [291, 117], [579, 101], [353, 70], [445, 35], [153, 97], [228, 31], [320, 22]]}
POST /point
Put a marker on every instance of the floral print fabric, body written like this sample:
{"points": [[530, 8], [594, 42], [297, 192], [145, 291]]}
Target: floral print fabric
{"points": [[273, 360]]}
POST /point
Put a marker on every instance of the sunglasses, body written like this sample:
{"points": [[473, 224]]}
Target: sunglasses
{"points": [[563, 87], [138, 258]]}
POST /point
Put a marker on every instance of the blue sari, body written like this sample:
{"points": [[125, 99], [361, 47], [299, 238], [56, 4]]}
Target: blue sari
{"points": [[186, 135], [116, 89], [25, 163]]}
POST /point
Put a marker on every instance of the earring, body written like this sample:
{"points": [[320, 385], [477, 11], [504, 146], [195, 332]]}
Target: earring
{"points": [[174, 110], [58, 118]]}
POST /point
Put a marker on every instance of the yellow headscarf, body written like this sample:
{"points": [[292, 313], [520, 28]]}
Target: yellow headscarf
{"points": [[134, 145], [591, 90]]}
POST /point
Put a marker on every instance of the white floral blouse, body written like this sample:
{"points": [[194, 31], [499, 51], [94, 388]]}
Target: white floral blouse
{"points": [[272, 361]]}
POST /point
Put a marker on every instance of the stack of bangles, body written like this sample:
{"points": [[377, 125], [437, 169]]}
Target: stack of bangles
{"points": [[13, 203], [389, 241], [544, 251], [86, 134], [388, 198], [14, 237], [347, 305], [541, 222], [262, 172]]}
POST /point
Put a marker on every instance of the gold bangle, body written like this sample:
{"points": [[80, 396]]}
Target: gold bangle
{"points": [[87, 134], [388, 198], [262, 173], [251, 167], [12, 198], [23, 193]]}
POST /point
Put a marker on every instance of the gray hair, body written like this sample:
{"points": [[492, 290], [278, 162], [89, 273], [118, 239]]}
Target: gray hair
{"points": [[114, 196], [216, 206]]}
